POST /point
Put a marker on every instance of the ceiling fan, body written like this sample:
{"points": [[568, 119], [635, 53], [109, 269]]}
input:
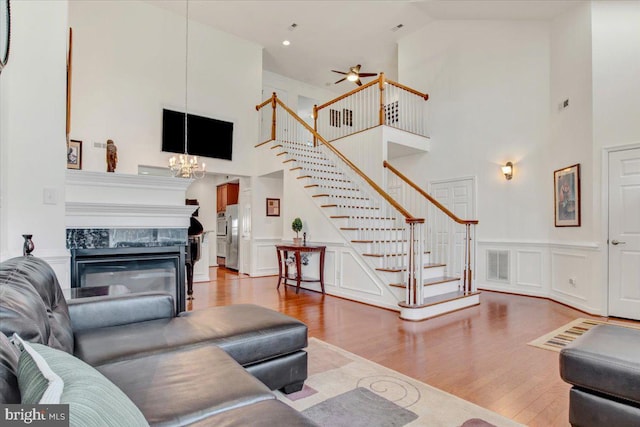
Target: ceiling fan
{"points": [[353, 75]]}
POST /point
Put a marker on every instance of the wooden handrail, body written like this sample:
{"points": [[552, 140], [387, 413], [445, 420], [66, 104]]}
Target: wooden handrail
{"points": [[380, 80], [428, 197], [264, 104], [346, 95], [425, 96], [369, 181]]}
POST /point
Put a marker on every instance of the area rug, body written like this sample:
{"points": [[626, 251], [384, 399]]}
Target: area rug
{"points": [[558, 339], [344, 389]]}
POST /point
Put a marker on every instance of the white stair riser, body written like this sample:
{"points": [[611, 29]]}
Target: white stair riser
{"points": [[338, 191], [438, 309], [380, 248], [440, 288], [379, 262], [427, 291], [399, 276]]}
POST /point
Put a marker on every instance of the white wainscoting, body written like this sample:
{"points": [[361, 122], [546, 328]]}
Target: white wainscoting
{"points": [[264, 258], [564, 272], [346, 275]]}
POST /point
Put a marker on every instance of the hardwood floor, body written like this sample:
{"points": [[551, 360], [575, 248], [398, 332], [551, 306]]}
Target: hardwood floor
{"points": [[479, 354]]}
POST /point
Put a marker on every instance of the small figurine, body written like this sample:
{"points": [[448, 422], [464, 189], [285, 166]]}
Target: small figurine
{"points": [[112, 156]]}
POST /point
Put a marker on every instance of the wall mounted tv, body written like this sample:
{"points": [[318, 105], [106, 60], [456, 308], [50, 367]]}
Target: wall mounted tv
{"points": [[206, 137]]}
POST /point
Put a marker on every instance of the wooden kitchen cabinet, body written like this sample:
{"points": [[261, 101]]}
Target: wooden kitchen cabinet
{"points": [[227, 194]]}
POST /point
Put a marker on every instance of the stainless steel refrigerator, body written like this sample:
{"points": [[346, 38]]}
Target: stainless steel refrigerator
{"points": [[233, 236]]}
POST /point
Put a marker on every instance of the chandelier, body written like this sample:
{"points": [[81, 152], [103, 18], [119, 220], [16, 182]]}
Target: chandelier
{"points": [[186, 166]]}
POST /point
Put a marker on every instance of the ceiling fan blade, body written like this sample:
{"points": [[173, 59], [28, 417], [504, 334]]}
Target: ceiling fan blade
{"points": [[358, 82], [357, 68], [340, 72], [368, 74], [341, 80]]}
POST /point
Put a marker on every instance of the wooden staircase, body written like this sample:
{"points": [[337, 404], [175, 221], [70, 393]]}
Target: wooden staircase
{"points": [[377, 230], [347, 208]]}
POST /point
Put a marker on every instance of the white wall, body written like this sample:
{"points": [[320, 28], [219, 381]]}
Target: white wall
{"points": [[293, 89], [267, 227], [488, 83], [32, 132], [616, 67], [494, 93], [125, 74]]}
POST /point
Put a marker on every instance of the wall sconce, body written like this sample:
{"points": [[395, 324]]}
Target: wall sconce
{"points": [[507, 170]]}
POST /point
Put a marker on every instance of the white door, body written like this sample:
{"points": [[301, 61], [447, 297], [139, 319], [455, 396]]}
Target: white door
{"points": [[624, 233], [457, 195]]}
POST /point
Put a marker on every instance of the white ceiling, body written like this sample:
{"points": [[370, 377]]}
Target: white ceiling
{"points": [[334, 34]]}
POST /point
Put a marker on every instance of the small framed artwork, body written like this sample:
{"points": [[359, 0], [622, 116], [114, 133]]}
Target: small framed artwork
{"points": [[566, 191], [74, 155], [273, 207]]}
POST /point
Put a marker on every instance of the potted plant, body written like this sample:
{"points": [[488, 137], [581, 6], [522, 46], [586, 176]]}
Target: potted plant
{"points": [[296, 226]]}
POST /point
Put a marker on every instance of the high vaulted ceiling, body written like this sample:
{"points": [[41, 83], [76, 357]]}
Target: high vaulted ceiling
{"points": [[340, 34]]}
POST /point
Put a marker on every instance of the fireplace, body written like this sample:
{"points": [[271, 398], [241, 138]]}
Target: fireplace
{"points": [[139, 269]]}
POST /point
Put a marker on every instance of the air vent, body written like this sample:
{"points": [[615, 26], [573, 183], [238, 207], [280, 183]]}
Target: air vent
{"points": [[292, 26], [498, 265], [397, 27]]}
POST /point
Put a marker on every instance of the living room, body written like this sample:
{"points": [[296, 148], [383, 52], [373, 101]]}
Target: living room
{"points": [[509, 97]]}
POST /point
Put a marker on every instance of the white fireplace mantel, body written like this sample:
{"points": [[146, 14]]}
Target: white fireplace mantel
{"points": [[112, 200]]}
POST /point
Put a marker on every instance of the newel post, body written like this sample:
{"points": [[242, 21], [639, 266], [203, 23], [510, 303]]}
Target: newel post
{"points": [[274, 97], [381, 87], [467, 268], [414, 261]]}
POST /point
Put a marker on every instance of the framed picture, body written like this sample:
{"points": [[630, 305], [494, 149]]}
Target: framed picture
{"points": [[74, 155], [273, 207], [566, 195]]}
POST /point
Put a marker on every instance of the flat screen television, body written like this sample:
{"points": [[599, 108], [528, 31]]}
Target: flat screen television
{"points": [[206, 137]]}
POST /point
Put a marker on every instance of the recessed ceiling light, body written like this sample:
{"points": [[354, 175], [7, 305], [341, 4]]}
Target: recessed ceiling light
{"points": [[286, 42]]}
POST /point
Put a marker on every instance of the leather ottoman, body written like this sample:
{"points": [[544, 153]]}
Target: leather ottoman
{"points": [[604, 368]]}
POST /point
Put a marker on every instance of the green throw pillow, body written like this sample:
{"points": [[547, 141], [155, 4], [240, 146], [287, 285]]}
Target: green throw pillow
{"points": [[93, 400], [37, 382]]}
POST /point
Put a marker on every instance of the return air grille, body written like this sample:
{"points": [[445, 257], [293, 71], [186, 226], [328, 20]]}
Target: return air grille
{"points": [[498, 265]]}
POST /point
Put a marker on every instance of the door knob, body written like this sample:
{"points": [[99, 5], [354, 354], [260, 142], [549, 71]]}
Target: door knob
{"points": [[616, 243]]}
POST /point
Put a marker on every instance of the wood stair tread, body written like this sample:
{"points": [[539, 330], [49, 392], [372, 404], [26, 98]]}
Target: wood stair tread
{"points": [[347, 207], [403, 268], [396, 254], [429, 282], [381, 241], [440, 299]]}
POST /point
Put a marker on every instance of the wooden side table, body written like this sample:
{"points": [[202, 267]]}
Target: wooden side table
{"points": [[283, 267]]}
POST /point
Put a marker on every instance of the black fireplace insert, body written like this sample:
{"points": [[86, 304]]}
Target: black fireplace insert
{"points": [[139, 269]]}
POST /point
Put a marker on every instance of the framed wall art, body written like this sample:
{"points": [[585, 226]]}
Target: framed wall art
{"points": [[566, 196], [273, 207], [74, 155]]}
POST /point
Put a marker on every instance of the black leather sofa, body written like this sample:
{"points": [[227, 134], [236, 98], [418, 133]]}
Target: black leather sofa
{"points": [[603, 366], [208, 367]]}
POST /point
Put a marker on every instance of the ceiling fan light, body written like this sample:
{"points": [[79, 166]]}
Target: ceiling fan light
{"points": [[352, 77]]}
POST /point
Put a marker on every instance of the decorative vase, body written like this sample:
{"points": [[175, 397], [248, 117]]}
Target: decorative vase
{"points": [[28, 245], [297, 241]]}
